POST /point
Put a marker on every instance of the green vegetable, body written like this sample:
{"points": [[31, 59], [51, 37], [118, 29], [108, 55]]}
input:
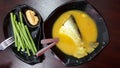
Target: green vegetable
{"points": [[22, 36]]}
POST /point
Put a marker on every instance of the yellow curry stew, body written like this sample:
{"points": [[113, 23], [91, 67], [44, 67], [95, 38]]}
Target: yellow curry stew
{"points": [[77, 33]]}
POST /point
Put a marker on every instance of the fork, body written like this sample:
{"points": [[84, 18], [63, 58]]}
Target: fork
{"points": [[6, 43]]}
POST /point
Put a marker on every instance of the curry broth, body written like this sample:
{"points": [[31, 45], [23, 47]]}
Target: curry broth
{"points": [[88, 33]]}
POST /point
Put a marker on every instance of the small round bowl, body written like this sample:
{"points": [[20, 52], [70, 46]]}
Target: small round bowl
{"points": [[24, 8], [35, 32], [103, 37]]}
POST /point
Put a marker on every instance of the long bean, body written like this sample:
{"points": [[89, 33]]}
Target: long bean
{"points": [[27, 47], [26, 36], [15, 37], [20, 37], [33, 45], [23, 39], [27, 41], [20, 15], [13, 17]]}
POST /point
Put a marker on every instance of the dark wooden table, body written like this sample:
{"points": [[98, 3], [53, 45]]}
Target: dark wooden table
{"points": [[108, 58]]}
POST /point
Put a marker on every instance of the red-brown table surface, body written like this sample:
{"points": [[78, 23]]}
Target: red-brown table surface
{"points": [[109, 56]]}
